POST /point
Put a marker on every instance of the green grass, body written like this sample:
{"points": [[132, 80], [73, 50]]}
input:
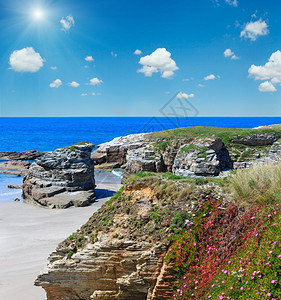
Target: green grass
{"points": [[226, 134]]}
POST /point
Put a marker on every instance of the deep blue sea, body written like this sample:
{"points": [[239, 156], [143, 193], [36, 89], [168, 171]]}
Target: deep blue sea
{"points": [[47, 134]]}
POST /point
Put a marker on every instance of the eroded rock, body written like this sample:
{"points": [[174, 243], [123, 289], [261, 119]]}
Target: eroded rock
{"points": [[61, 178]]}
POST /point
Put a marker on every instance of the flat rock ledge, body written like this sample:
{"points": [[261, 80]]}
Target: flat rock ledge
{"points": [[62, 178]]}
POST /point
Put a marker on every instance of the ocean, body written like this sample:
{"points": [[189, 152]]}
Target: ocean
{"points": [[47, 134]]}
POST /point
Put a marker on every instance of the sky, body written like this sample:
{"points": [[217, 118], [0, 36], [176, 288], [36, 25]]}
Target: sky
{"points": [[132, 58]]}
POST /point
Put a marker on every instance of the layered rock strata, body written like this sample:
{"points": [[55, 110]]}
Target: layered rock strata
{"points": [[186, 156], [61, 178], [120, 252]]}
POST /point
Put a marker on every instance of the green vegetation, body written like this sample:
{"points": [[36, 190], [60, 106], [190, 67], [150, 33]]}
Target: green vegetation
{"points": [[162, 145], [256, 184], [233, 252], [226, 134]]}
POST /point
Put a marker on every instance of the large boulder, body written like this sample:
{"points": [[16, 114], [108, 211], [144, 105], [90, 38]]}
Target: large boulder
{"points": [[61, 178]]}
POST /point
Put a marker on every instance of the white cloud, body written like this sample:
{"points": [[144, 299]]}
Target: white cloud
{"points": [[56, 84], [95, 81], [113, 54], [210, 77], [270, 71], [89, 58], [54, 68], [84, 94], [232, 2], [185, 96], [26, 60], [267, 86], [254, 29], [94, 94], [74, 84], [67, 23], [158, 61], [229, 53], [201, 85], [138, 52]]}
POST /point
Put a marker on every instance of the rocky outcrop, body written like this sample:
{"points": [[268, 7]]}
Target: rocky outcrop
{"points": [[202, 157], [24, 155], [255, 140], [104, 270], [14, 167], [120, 252], [115, 151], [206, 156], [61, 178]]}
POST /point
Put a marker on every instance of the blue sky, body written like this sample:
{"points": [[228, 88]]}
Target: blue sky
{"points": [[44, 45]]}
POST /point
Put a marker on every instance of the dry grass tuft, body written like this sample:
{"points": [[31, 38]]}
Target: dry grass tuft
{"points": [[260, 182]]}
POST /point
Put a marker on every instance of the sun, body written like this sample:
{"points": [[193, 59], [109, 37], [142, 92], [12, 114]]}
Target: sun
{"points": [[38, 14]]}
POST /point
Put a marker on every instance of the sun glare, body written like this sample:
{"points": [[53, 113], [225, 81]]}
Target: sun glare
{"points": [[38, 14]]}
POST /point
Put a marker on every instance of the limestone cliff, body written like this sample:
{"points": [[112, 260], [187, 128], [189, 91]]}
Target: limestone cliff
{"points": [[61, 178], [120, 252]]}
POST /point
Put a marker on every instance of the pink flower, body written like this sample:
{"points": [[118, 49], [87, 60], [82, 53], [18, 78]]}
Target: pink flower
{"points": [[241, 288], [273, 281], [268, 294]]}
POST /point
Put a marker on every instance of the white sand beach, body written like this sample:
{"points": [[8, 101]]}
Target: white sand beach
{"points": [[28, 234]]}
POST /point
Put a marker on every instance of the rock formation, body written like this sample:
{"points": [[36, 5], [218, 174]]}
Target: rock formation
{"points": [[188, 155], [120, 252], [61, 178], [14, 167], [24, 155], [113, 154]]}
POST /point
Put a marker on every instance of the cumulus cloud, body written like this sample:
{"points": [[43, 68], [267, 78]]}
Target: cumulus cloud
{"points": [[95, 81], [74, 84], [93, 94], [267, 86], [54, 68], [89, 58], [254, 29], [67, 23], [56, 84], [232, 2], [270, 71], [26, 60], [185, 96], [229, 53], [113, 54], [84, 94], [210, 77], [138, 52], [159, 61]]}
